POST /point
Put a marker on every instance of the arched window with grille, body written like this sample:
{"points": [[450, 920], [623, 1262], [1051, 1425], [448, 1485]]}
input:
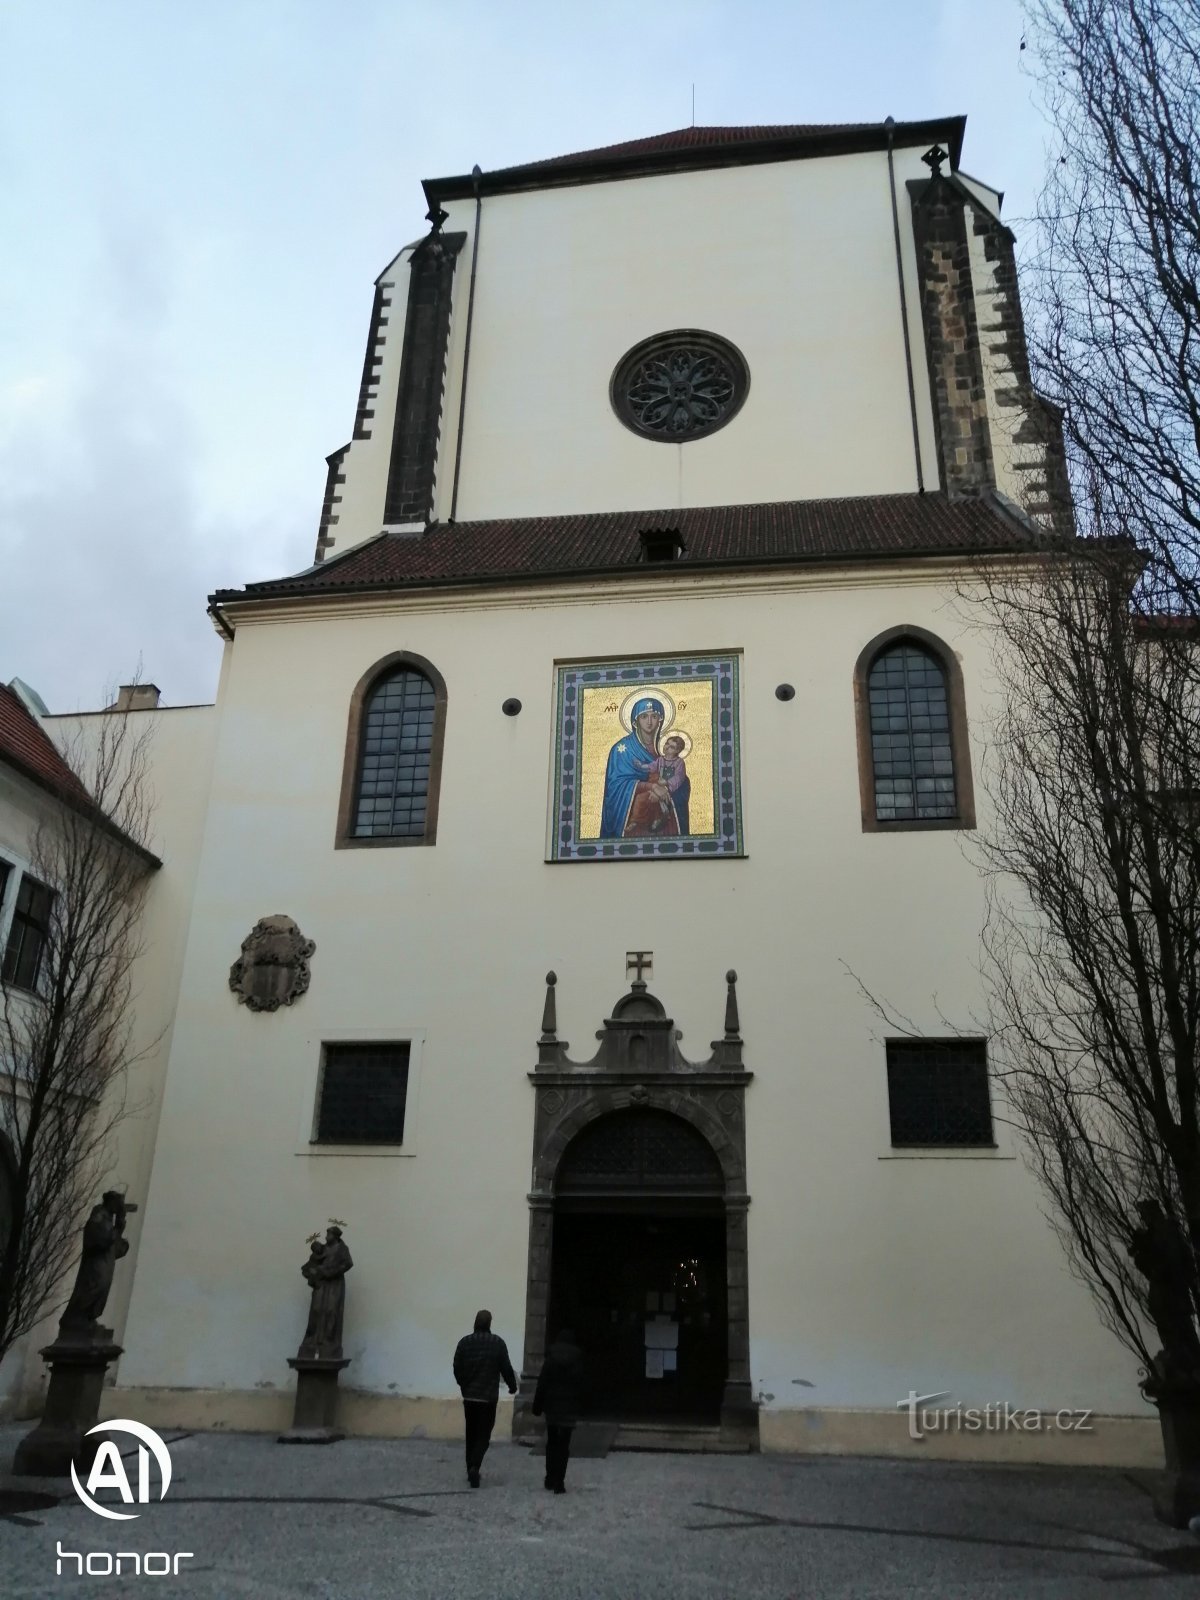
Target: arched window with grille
{"points": [[393, 755], [913, 754]]}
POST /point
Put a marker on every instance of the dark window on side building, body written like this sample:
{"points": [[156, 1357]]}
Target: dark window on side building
{"points": [[27, 934]]}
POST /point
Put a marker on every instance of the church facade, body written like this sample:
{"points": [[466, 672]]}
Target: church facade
{"points": [[549, 832]]}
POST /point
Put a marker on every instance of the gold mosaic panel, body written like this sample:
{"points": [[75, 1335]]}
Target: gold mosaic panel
{"points": [[606, 720]]}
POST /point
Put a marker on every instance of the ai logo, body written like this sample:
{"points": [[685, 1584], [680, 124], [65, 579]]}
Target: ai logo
{"points": [[108, 1470]]}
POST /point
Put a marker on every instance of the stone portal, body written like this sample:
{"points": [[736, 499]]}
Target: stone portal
{"points": [[638, 1218]]}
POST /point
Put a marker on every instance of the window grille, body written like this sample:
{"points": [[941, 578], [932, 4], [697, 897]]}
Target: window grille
{"points": [[397, 738], [27, 934], [363, 1092], [640, 1150], [938, 1092], [911, 749]]}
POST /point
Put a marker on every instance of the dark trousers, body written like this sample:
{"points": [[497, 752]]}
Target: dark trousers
{"points": [[558, 1451], [481, 1419]]}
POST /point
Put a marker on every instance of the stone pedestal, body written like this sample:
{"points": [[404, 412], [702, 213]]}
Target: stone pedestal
{"points": [[77, 1368], [316, 1400]]}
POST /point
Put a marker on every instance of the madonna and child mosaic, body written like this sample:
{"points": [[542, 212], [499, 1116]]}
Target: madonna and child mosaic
{"points": [[646, 759]]}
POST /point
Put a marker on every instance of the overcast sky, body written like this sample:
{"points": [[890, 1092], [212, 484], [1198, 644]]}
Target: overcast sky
{"points": [[196, 197]]}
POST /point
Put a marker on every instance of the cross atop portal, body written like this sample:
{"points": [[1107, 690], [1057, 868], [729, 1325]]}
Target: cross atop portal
{"points": [[637, 962]]}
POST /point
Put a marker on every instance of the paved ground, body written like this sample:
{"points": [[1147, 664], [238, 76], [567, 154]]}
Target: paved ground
{"points": [[369, 1518]]}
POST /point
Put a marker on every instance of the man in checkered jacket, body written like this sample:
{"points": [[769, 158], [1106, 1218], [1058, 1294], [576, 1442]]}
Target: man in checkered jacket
{"points": [[480, 1361]]}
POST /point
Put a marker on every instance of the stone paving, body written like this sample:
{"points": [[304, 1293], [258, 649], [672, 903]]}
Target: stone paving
{"points": [[373, 1517]]}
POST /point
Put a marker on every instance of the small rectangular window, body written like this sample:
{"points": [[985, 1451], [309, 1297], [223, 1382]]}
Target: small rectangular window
{"points": [[938, 1092], [362, 1094], [27, 934]]}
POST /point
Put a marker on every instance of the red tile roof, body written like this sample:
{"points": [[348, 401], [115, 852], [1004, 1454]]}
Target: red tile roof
{"points": [[694, 139], [26, 745], [683, 148], [785, 533]]}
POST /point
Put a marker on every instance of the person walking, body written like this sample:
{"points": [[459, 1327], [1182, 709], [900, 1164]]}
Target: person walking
{"points": [[480, 1361], [559, 1395]]}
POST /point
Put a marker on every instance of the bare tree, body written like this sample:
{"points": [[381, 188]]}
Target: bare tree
{"points": [[1091, 841], [1091, 853], [1113, 286], [66, 1044]]}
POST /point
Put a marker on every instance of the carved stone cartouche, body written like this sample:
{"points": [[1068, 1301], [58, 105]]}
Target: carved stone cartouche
{"points": [[272, 970]]}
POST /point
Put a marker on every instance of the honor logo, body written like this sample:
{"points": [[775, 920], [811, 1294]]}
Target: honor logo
{"points": [[108, 1471]]}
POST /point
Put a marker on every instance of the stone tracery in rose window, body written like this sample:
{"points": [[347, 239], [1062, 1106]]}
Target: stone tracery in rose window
{"points": [[679, 386]]}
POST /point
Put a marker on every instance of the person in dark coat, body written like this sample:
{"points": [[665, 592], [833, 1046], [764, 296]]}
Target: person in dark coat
{"points": [[558, 1396], [480, 1361]]}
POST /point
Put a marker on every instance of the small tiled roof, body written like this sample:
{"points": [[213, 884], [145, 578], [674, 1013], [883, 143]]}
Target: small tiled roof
{"points": [[682, 148], [608, 543], [26, 745]]}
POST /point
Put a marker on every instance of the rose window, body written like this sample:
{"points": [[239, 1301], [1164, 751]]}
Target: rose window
{"points": [[679, 386]]}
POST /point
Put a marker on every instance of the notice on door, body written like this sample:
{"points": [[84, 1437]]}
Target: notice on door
{"points": [[662, 1335]]}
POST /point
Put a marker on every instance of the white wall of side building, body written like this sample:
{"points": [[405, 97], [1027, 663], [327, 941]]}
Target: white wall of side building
{"points": [[181, 754], [869, 1274], [23, 808]]}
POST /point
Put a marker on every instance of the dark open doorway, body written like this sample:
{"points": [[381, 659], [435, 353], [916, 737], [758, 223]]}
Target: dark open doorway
{"points": [[638, 1266], [645, 1296]]}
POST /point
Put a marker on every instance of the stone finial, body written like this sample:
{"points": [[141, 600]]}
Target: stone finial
{"points": [[732, 1023], [436, 216], [933, 159], [549, 1013]]}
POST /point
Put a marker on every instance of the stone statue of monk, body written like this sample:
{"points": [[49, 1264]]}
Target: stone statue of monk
{"points": [[104, 1243], [325, 1271]]}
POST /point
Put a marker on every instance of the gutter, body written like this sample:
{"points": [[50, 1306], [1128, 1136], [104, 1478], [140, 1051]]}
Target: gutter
{"points": [[890, 125], [476, 177]]}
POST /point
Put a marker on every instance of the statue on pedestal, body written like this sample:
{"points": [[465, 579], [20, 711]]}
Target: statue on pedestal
{"points": [[82, 1353], [319, 1359]]}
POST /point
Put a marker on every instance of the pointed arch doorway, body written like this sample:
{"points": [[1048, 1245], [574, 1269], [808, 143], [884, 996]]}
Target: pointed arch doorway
{"points": [[637, 1229]]}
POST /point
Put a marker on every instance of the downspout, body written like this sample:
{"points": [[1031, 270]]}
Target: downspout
{"points": [[890, 125], [476, 174]]}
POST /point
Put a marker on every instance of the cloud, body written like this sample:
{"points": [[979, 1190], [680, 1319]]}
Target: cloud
{"points": [[104, 541]]}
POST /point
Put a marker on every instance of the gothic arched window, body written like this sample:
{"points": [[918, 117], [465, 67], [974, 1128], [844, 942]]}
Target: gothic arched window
{"points": [[914, 760], [394, 755]]}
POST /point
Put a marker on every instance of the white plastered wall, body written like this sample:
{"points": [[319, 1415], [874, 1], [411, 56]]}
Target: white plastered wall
{"points": [[868, 1275]]}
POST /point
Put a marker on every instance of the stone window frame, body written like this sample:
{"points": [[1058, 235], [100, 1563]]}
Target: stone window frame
{"points": [[960, 744], [414, 1035], [346, 838]]}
